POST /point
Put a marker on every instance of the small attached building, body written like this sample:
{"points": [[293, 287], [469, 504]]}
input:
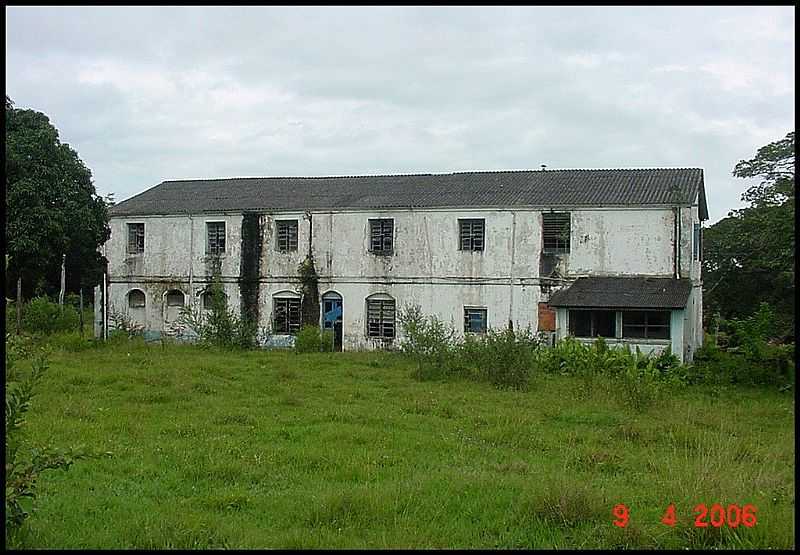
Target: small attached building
{"points": [[651, 313]]}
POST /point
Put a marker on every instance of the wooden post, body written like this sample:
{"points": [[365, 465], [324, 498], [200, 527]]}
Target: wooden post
{"points": [[81, 310], [63, 283], [19, 305]]}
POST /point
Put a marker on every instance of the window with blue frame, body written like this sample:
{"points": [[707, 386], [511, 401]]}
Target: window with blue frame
{"points": [[475, 320]]}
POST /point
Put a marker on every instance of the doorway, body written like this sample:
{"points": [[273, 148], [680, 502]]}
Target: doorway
{"points": [[332, 317]]}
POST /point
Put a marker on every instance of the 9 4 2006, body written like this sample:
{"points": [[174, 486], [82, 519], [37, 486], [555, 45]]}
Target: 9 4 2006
{"points": [[717, 515]]}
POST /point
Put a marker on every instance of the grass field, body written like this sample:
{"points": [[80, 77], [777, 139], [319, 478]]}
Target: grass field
{"points": [[277, 450]]}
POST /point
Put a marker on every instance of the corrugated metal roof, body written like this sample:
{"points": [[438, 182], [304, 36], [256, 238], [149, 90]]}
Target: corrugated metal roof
{"points": [[551, 188], [624, 292]]}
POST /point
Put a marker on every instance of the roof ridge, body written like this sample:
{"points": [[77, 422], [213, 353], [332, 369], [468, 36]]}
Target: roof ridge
{"points": [[465, 172]]}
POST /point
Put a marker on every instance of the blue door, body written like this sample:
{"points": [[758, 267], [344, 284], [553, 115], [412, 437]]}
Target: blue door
{"points": [[332, 317]]}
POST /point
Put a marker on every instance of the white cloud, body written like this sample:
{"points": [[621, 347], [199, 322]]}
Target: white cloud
{"points": [[152, 93]]}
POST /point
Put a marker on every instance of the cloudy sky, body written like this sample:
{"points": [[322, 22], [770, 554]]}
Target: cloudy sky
{"points": [[146, 94]]}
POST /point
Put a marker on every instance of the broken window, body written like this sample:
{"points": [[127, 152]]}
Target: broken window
{"points": [[287, 235], [380, 318], [175, 298], [646, 324], [136, 299], [592, 323], [555, 232], [697, 242], [474, 320], [471, 235], [381, 236], [286, 315], [135, 238], [215, 238]]}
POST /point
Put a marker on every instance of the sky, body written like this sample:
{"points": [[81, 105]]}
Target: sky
{"points": [[146, 94]]}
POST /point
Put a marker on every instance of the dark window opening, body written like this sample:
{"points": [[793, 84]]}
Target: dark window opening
{"points": [[555, 232], [646, 324], [471, 235], [136, 299], [286, 316], [287, 235], [697, 242], [380, 318], [381, 233], [175, 298], [593, 323], [215, 232], [475, 320], [208, 299], [135, 238]]}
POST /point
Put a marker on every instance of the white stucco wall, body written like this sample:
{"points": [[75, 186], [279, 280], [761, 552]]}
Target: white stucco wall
{"points": [[426, 266]]}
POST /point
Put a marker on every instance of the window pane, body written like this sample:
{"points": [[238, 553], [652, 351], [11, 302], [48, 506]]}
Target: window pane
{"points": [[580, 323], [174, 298], [215, 232], [556, 231], [381, 234], [287, 235], [135, 238], [136, 299], [380, 318], [471, 235], [475, 320], [605, 323]]}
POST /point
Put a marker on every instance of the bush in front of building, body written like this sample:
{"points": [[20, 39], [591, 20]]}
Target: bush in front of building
{"points": [[311, 339]]}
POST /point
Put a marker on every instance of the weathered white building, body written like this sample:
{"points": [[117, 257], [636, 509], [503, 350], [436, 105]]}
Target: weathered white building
{"points": [[588, 253]]}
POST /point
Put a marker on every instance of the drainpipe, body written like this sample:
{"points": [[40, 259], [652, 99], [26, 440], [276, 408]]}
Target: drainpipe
{"points": [[191, 261], [511, 272], [310, 230], [105, 295], [676, 257]]}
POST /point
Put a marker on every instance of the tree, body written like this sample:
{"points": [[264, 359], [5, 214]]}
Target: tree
{"points": [[52, 207], [749, 255]]}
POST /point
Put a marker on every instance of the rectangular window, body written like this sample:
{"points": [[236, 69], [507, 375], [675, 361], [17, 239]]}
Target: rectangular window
{"points": [[381, 234], [286, 316], [380, 318], [555, 232], [215, 238], [697, 242], [475, 320], [646, 324], [592, 323], [471, 235], [135, 238], [287, 235]]}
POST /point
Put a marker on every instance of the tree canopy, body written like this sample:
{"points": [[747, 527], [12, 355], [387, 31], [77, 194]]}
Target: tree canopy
{"points": [[749, 255], [52, 208]]}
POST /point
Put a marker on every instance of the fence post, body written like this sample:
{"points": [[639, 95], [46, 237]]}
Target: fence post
{"points": [[81, 305], [63, 283]]}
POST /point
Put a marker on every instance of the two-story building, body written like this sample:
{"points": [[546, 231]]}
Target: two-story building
{"points": [[587, 253]]}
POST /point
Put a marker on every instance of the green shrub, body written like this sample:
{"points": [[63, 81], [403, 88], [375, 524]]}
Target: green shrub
{"points": [[218, 327], [428, 341], [42, 316], [308, 340], [505, 358]]}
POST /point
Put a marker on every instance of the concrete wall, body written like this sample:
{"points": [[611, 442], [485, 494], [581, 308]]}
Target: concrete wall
{"points": [[426, 266]]}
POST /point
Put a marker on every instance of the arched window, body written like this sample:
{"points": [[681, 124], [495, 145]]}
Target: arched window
{"points": [[175, 297], [381, 316], [285, 312], [136, 298], [207, 298]]}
